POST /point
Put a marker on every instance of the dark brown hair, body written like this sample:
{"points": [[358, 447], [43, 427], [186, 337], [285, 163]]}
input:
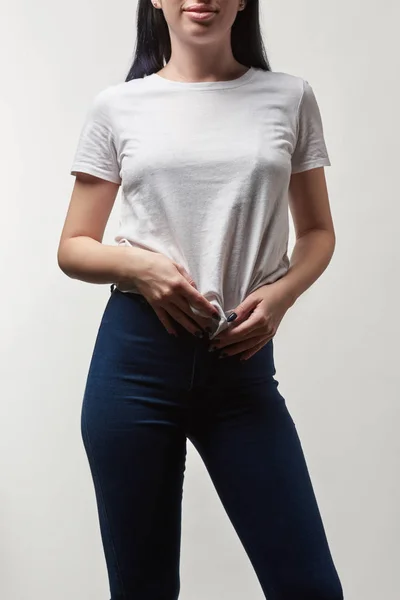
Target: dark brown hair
{"points": [[153, 44]]}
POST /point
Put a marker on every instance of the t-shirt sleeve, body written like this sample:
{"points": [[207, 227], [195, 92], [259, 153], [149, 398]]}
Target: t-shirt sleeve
{"points": [[96, 153], [310, 149]]}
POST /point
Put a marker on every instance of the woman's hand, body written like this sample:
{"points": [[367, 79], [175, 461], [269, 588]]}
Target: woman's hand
{"points": [[258, 318], [169, 288]]}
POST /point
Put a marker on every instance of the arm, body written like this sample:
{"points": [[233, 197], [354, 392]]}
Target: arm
{"points": [[260, 314], [81, 253], [315, 235]]}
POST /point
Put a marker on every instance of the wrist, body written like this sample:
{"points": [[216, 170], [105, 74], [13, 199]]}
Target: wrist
{"points": [[287, 292], [130, 261]]}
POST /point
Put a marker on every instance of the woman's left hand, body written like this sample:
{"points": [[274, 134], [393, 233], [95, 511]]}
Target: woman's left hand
{"points": [[258, 318]]}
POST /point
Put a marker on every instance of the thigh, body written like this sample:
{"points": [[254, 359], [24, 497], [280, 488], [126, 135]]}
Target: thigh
{"points": [[253, 453], [133, 431]]}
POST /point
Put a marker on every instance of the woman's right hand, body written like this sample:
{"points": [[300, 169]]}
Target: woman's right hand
{"points": [[169, 288]]}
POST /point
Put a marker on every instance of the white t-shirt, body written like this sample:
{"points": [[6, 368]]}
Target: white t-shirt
{"points": [[204, 169]]}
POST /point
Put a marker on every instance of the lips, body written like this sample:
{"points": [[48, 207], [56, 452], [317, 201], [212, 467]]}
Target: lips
{"points": [[200, 8]]}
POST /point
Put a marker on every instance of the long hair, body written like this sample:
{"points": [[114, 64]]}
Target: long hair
{"points": [[153, 43]]}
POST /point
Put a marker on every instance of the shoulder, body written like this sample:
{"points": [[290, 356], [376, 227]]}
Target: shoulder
{"points": [[281, 80], [110, 95], [111, 100], [104, 97], [286, 88]]}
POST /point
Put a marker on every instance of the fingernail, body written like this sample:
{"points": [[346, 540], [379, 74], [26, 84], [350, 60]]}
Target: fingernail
{"points": [[232, 317], [212, 348], [222, 355]]}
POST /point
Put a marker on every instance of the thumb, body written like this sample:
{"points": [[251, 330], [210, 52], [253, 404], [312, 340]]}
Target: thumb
{"points": [[242, 311]]}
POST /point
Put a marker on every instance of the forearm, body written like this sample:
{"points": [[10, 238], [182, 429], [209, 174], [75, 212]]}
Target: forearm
{"points": [[88, 260], [311, 255]]}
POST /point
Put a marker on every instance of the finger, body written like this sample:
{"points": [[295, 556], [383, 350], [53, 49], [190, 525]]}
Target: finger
{"points": [[244, 310], [245, 345], [184, 306], [249, 329], [225, 343], [182, 303], [194, 297], [181, 317], [250, 353], [165, 320], [245, 328], [187, 275]]}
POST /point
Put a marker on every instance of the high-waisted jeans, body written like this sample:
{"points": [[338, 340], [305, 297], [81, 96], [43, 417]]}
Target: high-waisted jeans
{"points": [[147, 392]]}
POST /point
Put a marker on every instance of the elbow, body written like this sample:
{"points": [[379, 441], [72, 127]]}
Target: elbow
{"points": [[64, 259], [332, 236], [329, 238], [63, 264]]}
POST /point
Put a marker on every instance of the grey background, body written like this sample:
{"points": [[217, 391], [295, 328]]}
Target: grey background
{"points": [[336, 350]]}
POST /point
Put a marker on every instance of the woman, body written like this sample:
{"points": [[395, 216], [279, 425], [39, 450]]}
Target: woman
{"points": [[211, 148]]}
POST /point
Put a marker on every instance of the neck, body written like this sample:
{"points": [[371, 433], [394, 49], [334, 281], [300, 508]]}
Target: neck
{"points": [[214, 63]]}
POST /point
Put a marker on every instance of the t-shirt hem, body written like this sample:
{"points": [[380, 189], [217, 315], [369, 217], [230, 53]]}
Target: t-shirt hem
{"points": [[311, 164], [131, 290], [91, 170]]}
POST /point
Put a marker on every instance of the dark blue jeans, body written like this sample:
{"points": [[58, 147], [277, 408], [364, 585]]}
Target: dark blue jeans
{"points": [[147, 392]]}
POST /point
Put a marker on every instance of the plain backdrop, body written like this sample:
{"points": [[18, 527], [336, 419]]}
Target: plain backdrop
{"points": [[336, 351]]}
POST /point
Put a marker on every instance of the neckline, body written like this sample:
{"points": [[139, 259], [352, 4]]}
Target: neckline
{"points": [[202, 85]]}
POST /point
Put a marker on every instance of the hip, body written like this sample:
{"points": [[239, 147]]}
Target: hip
{"points": [[132, 342]]}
